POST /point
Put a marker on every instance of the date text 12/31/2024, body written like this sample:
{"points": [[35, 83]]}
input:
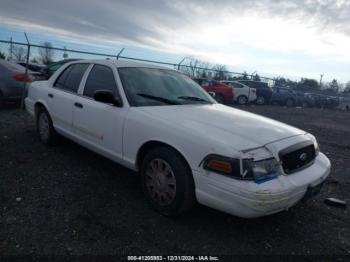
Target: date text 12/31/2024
{"points": [[173, 258]]}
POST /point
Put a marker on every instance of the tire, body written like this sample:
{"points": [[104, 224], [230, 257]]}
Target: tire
{"points": [[44, 127], [167, 182], [242, 100], [290, 102], [219, 98], [260, 100], [2, 100]]}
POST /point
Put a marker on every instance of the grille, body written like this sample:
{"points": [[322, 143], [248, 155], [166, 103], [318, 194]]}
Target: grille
{"points": [[297, 157]]}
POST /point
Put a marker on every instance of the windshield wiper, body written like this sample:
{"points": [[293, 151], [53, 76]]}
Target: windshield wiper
{"points": [[158, 98], [193, 98]]}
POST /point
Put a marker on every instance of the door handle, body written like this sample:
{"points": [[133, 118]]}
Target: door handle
{"points": [[50, 95], [78, 105]]}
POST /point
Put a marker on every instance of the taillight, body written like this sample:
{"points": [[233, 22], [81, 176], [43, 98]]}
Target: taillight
{"points": [[253, 90], [23, 78]]}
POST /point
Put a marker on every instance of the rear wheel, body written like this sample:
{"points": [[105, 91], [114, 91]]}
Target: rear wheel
{"points": [[167, 181], [242, 100], [219, 98], [260, 100], [44, 127]]}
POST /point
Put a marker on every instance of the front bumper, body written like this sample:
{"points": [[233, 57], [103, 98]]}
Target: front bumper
{"points": [[249, 199]]}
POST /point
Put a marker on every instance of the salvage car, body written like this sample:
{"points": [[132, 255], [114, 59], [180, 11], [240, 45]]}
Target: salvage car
{"points": [[263, 91], [53, 67], [224, 94], [243, 93], [12, 79], [285, 96], [186, 147]]}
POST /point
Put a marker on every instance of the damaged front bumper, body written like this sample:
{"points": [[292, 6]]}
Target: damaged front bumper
{"points": [[249, 199]]}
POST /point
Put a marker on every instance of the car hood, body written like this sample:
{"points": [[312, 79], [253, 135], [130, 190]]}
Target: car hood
{"points": [[224, 124]]}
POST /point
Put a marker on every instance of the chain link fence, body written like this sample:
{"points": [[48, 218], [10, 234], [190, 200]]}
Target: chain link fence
{"points": [[46, 54]]}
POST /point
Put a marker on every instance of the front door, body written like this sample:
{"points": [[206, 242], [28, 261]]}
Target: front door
{"points": [[96, 124]]}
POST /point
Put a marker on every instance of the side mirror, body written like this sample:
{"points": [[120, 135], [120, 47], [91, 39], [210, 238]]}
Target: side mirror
{"points": [[107, 96], [212, 94]]}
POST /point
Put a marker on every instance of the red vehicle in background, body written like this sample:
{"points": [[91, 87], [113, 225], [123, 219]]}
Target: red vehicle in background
{"points": [[223, 93]]}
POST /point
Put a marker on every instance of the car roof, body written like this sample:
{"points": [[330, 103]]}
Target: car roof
{"points": [[120, 63]]}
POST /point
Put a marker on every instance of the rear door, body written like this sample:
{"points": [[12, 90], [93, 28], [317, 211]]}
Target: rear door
{"points": [[239, 90], [62, 96], [99, 125]]}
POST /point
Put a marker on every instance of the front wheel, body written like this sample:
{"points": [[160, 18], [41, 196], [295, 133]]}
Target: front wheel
{"points": [[167, 182], [44, 127], [290, 102], [219, 98]]}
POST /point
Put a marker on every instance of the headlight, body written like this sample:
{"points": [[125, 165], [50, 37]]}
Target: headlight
{"points": [[243, 169], [260, 170]]}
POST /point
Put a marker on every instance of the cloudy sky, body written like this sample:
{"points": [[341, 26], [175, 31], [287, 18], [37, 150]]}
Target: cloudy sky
{"points": [[289, 38]]}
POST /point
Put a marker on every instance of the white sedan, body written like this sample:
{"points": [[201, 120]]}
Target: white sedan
{"points": [[243, 93], [186, 147]]}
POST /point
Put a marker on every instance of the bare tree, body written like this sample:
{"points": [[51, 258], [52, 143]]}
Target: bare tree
{"points": [[221, 71], [46, 53], [195, 67], [18, 53]]}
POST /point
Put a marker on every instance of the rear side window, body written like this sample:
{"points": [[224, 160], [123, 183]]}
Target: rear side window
{"points": [[235, 85], [70, 78], [100, 78]]}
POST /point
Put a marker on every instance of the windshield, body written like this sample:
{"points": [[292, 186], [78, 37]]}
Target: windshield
{"points": [[154, 87]]}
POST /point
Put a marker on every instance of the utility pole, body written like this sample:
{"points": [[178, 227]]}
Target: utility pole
{"points": [[321, 81]]}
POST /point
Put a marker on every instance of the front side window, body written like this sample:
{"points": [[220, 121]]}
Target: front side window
{"points": [[205, 82], [100, 78], [153, 87], [70, 78]]}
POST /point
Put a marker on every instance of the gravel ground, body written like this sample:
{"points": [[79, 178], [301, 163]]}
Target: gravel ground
{"points": [[68, 200]]}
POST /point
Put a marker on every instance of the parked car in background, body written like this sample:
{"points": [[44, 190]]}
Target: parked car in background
{"points": [[332, 102], [32, 66], [243, 94], [284, 96], [263, 91], [186, 147], [49, 70], [12, 79], [223, 93], [309, 100], [344, 103]]}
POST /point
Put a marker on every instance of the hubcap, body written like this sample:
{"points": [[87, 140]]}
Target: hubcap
{"points": [[44, 128], [242, 100], [160, 182]]}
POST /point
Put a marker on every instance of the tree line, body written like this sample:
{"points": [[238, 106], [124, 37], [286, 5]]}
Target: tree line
{"points": [[45, 54]]}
